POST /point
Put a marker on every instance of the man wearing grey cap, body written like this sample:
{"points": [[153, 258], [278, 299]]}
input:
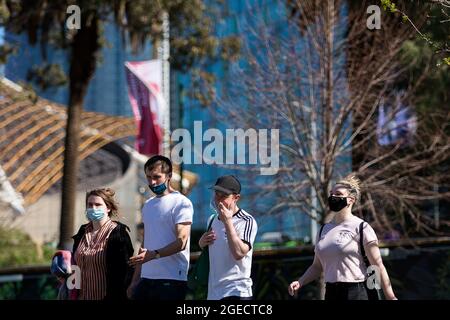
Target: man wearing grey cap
{"points": [[230, 242]]}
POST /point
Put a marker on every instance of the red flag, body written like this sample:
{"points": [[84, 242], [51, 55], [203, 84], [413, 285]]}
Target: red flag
{"points": [[144, 91]]}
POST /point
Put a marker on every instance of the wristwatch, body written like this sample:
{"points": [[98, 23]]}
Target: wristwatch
{"points": [[157, 255]]}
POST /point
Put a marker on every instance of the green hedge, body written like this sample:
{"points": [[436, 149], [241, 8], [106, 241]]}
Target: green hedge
{"points": [[18, 249]]}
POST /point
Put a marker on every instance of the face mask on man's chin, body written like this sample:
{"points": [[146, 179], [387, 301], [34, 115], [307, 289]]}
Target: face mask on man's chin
{"points": [[159, 189]]}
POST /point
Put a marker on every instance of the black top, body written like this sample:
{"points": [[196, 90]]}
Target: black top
{"points": [[118, 250]]}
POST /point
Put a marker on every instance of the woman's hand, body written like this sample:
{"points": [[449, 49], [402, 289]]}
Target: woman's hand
{"points": [[207, 238], [294, 287]]}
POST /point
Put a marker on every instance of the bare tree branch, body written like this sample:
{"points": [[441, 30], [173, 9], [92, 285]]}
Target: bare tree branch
{"points": [[322, 82]]}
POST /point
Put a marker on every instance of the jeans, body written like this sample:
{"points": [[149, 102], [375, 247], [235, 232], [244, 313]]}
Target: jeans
{"points": [[160, 289], [345, 291]]}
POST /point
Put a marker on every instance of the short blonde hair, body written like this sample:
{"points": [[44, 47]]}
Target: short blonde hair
{"points": [[352, 183]]}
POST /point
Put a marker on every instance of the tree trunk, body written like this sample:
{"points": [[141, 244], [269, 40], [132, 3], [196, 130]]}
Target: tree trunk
{"points": [[82, 66], [329, 101], [69, 183], [329, 107]]}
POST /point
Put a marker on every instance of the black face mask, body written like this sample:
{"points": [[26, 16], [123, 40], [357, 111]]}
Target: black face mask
{"points": [[336, 204]]}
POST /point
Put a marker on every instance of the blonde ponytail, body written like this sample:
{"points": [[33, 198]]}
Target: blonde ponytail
{"points": [[352, 183]]}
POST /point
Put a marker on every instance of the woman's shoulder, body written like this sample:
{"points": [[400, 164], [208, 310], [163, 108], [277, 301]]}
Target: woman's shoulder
{"points": [[119, 236], [78, 236], [357, 221], [360, 224], [81, 230], [120, 232], [121, 227]]}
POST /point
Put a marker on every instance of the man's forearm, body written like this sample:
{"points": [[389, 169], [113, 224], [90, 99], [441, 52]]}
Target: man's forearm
{"points": [[179, 244], [174, 247]]}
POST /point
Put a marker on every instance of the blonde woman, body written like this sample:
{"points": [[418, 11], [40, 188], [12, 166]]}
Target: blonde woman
{"points": [[338, 253]]}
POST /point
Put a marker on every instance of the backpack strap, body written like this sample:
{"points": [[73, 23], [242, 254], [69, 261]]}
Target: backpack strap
{"points": [[361, 239], [372, 294], [320, 232], [361, 244], [211, 221]]}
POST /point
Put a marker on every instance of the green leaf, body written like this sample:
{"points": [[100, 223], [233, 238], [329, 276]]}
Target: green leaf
{"points": [[387, 4], [393, 8]]}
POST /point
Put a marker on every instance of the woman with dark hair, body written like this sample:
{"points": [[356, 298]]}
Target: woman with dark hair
{"points": [[102, 248]]}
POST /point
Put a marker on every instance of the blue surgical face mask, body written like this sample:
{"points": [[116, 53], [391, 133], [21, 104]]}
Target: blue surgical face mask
{"points": [[95, 214], [159, 189]]}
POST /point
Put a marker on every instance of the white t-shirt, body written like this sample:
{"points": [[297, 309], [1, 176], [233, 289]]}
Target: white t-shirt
{"points": [[339, 253], [228, 276], [160, 216]]}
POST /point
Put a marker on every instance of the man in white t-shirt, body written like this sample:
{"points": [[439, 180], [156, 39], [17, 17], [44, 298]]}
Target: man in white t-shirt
{"points": [[230, 242], [163, 262]]}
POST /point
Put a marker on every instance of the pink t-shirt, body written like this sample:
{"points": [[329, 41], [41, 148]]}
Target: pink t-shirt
{"points": [[339, 253]]}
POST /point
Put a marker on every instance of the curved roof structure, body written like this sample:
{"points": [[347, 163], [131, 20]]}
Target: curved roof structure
{"points": [[32, 132]]}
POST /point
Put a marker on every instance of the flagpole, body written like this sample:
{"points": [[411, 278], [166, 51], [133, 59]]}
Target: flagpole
{"points": [[163, 53], [180, 124]]}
